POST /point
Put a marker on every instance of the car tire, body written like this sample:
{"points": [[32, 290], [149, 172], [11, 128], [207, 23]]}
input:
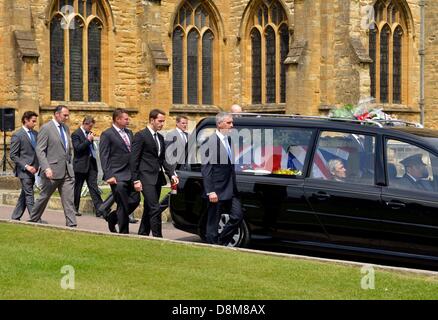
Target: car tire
{"points": [[241, 237]]}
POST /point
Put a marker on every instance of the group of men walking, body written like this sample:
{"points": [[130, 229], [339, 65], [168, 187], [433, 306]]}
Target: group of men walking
{"points": [[130, 163]]}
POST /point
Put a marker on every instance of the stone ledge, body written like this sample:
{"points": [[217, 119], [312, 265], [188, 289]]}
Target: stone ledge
{"points": [[10, 198]]}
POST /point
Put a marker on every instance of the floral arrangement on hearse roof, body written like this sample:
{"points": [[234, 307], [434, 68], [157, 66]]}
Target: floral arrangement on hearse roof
{"points": [[362, 112]]}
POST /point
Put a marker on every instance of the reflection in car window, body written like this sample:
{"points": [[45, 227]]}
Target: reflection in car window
{"points": [[344, 157], [266, 151], [410, 167]]}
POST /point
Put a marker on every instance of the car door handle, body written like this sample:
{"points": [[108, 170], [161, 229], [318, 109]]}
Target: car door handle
{"points": [[321, 195], [395, 204]]}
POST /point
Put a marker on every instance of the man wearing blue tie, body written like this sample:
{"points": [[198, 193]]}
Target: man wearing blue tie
{"points": [[220, 182], [23, 143], [54, 152], [84, 163]]}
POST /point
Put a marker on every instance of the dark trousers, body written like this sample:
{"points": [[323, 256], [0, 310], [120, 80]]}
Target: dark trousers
{"points": [[231, 207], [91, 178], [127, 200], [26, 199], [151, 220], [164, 204]]}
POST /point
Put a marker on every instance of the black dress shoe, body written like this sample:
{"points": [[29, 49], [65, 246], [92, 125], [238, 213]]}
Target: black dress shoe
{"points": [[78, 214], [112, 222]]}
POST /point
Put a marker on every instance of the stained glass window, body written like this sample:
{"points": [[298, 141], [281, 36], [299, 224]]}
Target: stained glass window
{"points": [[76, 62], [207, 68], [192, 67], [177, 69], [82, 74], [94, 61], [193, 54], [397, 65], [256, 44], [384, 64], [57, 90]]}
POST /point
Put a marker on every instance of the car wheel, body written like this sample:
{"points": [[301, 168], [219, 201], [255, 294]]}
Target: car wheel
{"points": [[241, 237]]}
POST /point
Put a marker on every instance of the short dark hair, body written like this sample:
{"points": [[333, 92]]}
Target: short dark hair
{"points": [[28, 115], [118, 112], [179, 118], [154, 114], [88, 120], [59, 108]]}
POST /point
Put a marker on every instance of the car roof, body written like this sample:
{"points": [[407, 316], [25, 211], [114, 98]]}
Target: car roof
{"points": [[421, 135]]}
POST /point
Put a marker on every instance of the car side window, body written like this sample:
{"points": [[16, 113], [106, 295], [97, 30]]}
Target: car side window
{"points": [[410, 167], [345, 158], [274, 151]]}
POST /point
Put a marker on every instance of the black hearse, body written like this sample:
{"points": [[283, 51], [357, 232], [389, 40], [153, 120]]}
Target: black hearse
{"points": [[366, 187]]}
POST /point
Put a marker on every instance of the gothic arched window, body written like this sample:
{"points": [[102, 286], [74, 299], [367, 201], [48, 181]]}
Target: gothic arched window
{"points": [[269, 39], [193, 41], [388, 42], [76, 41]]}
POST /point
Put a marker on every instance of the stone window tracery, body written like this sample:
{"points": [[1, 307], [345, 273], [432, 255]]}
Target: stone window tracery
{"points": [[77, 30]]}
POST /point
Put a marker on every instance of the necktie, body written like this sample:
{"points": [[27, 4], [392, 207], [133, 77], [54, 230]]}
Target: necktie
{"points": [[156, 141], [64, 141], [227, 143], [32, 138], [125, 138], [91, 146], [186, 136]]}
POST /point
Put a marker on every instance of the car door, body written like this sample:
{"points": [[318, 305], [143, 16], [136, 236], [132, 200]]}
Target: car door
{"points": [[341, 188], [410, 219], [270, 170]]}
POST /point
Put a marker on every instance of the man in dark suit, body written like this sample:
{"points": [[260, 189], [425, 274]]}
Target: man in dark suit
{"points": [[416, 173], [55, 152], [84, 163], [176, 150], [115, 152], [23, 144], [147, 162], [220, 182]]}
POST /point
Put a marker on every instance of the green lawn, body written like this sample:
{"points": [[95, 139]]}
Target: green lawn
{"points": [[109, 267]]}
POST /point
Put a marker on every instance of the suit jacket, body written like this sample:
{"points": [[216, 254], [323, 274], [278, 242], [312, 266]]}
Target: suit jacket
{"points": [[217, 170], [146, 164], [81, 147], [115, 155], [176, 148], [23, 153], [407, 182], [51, 152]]}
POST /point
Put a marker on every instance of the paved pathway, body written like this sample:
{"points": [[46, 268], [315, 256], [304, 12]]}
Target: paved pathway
{"points": [[92, 223]]}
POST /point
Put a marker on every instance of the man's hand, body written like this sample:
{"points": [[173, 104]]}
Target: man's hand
{"points": [[111, 181], [90, 137], [49, 173], [138, 186], [31, 169], [213, 197], [175, 180]]}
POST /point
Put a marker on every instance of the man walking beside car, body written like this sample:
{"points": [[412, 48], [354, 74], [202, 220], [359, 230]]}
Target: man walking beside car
{"points": [[84, 163], [115, 152], [176, 142], [220, 186], [23, 144], [54, 151], [147, 163]]}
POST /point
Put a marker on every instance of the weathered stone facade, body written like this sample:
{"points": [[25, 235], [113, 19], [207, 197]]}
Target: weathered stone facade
{"points": [[327, 64]]}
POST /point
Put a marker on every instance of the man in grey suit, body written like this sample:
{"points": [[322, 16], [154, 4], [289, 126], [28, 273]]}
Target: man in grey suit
{"points": [[23, 144], [176, 142], [54, 152]]}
